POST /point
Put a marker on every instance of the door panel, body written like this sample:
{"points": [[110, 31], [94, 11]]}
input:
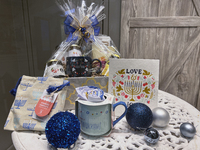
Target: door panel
{"points": [[169, 31]]}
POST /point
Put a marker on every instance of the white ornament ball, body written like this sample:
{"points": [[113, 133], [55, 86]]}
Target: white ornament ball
{"points": [[160, 117]]}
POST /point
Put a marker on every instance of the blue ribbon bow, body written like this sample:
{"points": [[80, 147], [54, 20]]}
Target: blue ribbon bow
{"points": [[70, 28]]}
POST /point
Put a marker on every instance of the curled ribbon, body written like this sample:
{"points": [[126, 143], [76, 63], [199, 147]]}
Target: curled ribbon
{"points": [[86, 29]]}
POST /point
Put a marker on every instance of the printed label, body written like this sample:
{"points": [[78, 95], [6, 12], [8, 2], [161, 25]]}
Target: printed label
{"points": [[45, 104]]}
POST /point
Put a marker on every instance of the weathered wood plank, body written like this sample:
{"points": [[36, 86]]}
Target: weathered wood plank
{"points": [[192, 70], [145, 22], [179, 85], [187, 50], [187, 82], [197, 6], [198, 100], [125, 15]]}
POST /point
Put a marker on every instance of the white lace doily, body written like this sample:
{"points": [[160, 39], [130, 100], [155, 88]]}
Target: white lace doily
{"points": [[123, 137]]}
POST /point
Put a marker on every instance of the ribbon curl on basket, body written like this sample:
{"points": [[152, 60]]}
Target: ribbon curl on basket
{"points": [[81, 22]]}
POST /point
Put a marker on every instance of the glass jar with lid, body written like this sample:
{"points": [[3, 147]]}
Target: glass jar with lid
{"points": [[75, 50], [54, 69]]}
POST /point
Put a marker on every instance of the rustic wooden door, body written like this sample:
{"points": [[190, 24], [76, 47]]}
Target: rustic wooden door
{"points": [[169, 31]]}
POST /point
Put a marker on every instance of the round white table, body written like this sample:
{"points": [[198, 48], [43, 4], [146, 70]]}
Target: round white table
{"points": [[123, 137]]}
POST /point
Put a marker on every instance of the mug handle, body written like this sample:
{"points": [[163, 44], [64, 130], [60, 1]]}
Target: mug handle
{"points": [[114, 106]]}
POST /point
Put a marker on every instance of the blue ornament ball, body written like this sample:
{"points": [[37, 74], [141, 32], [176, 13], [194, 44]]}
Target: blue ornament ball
{"points": [[62, 130], [139, 116]]}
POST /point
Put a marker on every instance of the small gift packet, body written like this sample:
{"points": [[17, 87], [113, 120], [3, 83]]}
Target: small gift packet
{"points": [[90, 93], [28, 92]]}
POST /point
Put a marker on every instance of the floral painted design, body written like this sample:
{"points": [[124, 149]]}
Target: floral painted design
{"points": [[134, 87]]}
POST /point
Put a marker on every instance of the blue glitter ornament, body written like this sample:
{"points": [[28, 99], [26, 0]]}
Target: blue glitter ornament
{"points": [[62, 130], [139, 116]]}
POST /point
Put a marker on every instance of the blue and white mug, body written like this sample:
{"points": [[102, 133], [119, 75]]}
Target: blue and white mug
{"points": [[96, 119]]}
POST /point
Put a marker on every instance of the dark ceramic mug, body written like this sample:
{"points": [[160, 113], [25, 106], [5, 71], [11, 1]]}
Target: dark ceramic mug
{"points": [[80, 66]]}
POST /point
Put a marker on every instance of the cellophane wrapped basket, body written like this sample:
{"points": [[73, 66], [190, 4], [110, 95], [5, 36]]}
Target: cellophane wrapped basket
{"points": [[84, 52]]}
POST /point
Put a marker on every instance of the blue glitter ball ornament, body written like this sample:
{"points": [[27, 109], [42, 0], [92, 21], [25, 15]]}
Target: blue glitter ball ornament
{"points": [[62, 130], [139, 116]]}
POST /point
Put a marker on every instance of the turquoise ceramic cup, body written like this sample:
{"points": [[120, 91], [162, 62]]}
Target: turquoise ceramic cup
{"points": [[96, 118]]}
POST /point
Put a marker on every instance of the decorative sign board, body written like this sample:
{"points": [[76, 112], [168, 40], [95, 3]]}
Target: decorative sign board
{"points": [[134, 80]]}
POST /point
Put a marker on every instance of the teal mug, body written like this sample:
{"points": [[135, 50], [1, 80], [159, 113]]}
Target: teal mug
{"points": [[96, 118]]}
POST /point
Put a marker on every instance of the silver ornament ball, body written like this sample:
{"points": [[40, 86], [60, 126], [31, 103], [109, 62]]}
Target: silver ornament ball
{"points": [[187, 130], [160, 117]]}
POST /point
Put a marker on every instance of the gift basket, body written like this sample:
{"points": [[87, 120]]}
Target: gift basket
{"points": [[84, 52], [46, 103]]}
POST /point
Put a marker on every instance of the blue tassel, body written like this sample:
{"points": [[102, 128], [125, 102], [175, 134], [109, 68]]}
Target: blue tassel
{"points": [[58, 88], [14, 91], [51, 89]]}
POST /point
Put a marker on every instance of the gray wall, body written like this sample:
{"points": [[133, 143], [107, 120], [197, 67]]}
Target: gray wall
{"points": [[24, 49]]}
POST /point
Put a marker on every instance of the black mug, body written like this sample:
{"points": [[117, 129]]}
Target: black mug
{"points": [[80, 66]]}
